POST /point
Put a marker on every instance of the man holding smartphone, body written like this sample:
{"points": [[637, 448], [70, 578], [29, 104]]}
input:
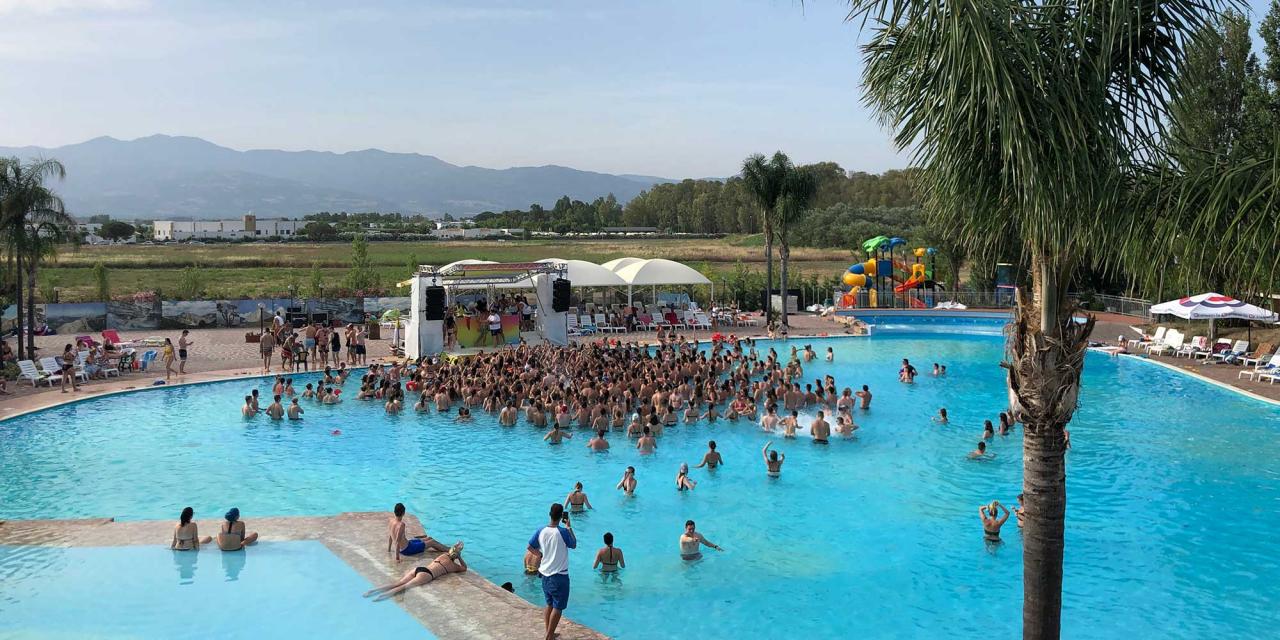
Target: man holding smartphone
{"points": [[554, 542]]}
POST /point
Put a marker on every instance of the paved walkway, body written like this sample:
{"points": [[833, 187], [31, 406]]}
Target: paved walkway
{"points": [[458, 607]]}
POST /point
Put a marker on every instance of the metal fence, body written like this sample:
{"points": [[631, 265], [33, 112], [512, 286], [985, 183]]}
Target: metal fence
{"points": [[1136, 307], [1001, 299], [918, 299]]}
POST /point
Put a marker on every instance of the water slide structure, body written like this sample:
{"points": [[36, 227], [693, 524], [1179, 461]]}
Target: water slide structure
{"points": [[877, 276]]}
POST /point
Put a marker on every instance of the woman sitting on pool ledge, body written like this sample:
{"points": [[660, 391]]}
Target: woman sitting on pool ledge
{"points": [[232, 536], [186, 536], [448, 562]]}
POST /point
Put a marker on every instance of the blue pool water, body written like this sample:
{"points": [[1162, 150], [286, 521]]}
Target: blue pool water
{"points": [[274, 590], [1174, 499]]}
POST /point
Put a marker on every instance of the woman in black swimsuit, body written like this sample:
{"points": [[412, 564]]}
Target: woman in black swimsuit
{"points": [[609, 559], [448, 562]]}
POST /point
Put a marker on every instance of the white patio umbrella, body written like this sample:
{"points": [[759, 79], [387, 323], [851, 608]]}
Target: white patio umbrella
{"points": [[1212, 306]]}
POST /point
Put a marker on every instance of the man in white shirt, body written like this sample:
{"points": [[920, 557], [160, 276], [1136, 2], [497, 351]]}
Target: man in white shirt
{"points": [[554, 543], [495, 328]]}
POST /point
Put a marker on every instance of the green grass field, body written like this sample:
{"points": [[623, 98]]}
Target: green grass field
{"points": [[258, 269]]}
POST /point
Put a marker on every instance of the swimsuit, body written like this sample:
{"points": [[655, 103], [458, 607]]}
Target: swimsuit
{"points": [[427, 570], [413, 547]]}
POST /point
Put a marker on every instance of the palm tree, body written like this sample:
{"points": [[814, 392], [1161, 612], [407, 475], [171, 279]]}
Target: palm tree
{"points": [[1026, 117], [763, 180], [799, 186], [32, 220]]}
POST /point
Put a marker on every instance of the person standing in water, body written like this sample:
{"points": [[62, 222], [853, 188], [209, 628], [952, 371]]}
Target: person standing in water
{"points": [[991, 521], [772, 460], [907, 373], [646, 443], [865, 397], [598, 443], [691, 541], [628, 481], [711, 459], [820, 430], [683, 482], [577, 499], [609, 558]]}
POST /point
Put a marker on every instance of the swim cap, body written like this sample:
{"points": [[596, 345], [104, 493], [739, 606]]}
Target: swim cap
{"points": [[233, 515]]}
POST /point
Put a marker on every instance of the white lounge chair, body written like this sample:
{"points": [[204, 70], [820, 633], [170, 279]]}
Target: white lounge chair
{"points": [[574, 329], [1197, 345], [27, 371], [586, 324], [603, 324], [697, 320], [1172, 342], [1239, 349], [51, 367], [1260, 369], [1214, 349], [1146, 341], [1261, 355]]}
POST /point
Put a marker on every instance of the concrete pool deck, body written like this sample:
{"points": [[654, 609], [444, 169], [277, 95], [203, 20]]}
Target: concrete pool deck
{"points": [[454, 608]]}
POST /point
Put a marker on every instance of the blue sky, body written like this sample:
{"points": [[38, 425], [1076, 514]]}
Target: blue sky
{"points": [[673, 88]]}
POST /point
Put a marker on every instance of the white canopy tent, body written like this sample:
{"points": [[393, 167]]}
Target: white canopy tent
{"points": [[589, 274], [660, 271], [1212, 306], [617, 264]]}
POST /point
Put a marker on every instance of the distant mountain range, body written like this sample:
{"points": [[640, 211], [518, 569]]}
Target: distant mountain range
{"points": [[173, 177]]}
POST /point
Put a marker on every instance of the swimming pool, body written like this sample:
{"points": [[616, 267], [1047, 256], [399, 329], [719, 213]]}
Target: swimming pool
{"points": [[1174, 490], [274, 590]]}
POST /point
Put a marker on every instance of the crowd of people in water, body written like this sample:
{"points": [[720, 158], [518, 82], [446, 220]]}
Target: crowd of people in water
{"points": [[608, 387]]}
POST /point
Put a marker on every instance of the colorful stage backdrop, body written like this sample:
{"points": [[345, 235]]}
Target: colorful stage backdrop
{"points": [[473, 331]]}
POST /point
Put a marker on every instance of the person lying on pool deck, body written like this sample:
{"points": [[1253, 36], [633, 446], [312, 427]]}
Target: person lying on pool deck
{"points": [[401, 543], [232, 536], [448, 562]]}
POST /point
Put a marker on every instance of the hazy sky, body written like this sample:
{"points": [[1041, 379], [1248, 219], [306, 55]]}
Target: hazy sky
{"points": [[680, 88]]}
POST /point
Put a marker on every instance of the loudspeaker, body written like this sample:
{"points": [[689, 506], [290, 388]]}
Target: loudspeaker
{"points": [[560, 295], [435, 303]]}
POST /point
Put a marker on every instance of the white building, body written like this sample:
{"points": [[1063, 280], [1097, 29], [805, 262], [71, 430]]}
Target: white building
{"points": [[248, 227], [474, 233]]}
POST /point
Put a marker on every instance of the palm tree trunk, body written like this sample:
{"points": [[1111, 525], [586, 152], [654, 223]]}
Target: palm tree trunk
{"points": [[1046, 358], [784, 255], [768, 270], [32, 265], [17, 299]]}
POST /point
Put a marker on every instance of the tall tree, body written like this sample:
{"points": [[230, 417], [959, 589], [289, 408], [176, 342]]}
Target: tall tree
{"points": [[763, 180], [798, 188], [1207, 114], [32, 221], [1025, 116]]}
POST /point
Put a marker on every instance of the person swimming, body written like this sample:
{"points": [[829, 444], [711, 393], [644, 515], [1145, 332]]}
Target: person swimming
{"points": [[981, 452], [295, 411], [987, 431], [941, 418]]}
